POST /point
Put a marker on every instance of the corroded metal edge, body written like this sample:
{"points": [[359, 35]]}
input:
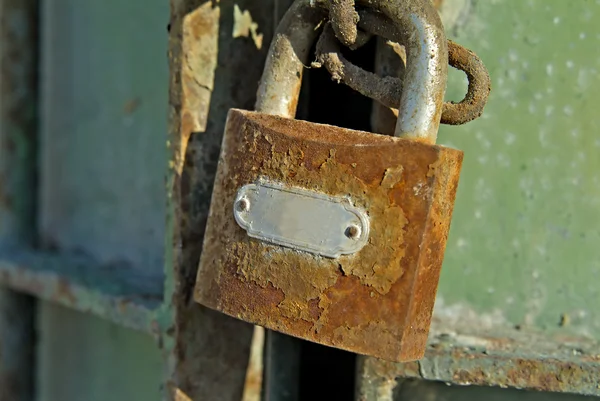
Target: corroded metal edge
{"points": [[447, 173], [515, 358], [115, 293]]}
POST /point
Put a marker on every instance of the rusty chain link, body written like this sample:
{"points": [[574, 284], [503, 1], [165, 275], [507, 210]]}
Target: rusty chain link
{"points": [[344, 21], [386, 90], [478, 91], [344, 24]]}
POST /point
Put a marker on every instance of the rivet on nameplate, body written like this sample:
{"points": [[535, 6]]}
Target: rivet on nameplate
{"points": [[301, 219]]}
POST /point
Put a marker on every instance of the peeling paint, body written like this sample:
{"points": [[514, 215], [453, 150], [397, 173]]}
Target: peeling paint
{"points": [[244, 26], [392, 177], [200, 47]]}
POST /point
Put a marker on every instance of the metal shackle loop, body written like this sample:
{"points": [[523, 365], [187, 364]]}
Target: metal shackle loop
{"points": [[419, 29], [290, 51]]}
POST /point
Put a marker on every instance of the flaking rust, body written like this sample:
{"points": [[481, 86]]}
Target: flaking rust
{"points": [[376, 302]]}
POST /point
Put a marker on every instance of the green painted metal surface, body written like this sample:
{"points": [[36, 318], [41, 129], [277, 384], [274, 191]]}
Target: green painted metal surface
{"points": [[85, 358], [103, 124], [524, 240]]}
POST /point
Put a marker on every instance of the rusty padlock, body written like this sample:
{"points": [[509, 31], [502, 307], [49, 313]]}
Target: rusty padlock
{"points": [[328, 234]]}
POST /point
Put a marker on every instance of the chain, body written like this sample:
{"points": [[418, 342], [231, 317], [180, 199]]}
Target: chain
{"points": [[353, 29]]}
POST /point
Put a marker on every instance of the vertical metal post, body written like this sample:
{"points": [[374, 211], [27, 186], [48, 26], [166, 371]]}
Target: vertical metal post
{"points": [[216, 53], [18, 129]]}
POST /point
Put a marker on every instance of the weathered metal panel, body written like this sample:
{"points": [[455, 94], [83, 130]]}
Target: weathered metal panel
{"points": [[85, 358]]}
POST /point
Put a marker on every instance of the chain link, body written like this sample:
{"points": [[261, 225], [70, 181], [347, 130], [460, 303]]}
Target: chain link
{"points": [[344, 25]]}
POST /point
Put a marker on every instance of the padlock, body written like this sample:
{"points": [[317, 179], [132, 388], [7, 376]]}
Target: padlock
{"points": [[328, 234]]}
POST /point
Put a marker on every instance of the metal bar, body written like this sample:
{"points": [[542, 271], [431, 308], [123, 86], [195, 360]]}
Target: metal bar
{"points": [[253, 387], [18, 122], [465, 354], [114, 292]]}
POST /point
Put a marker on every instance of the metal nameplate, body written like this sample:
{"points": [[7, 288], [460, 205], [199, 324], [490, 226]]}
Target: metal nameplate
{"points": [[301, 219]]}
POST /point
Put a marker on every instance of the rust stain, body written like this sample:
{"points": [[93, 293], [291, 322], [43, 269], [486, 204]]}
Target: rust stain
{"points": [[377, 301], [290, 166], [300, 282], [529, 374]]}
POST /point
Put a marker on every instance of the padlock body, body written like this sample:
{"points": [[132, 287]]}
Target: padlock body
{"points": [[376, 301]]}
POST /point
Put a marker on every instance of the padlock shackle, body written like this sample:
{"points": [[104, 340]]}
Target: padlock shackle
{"points": [[420, 30], [290, 51]]}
